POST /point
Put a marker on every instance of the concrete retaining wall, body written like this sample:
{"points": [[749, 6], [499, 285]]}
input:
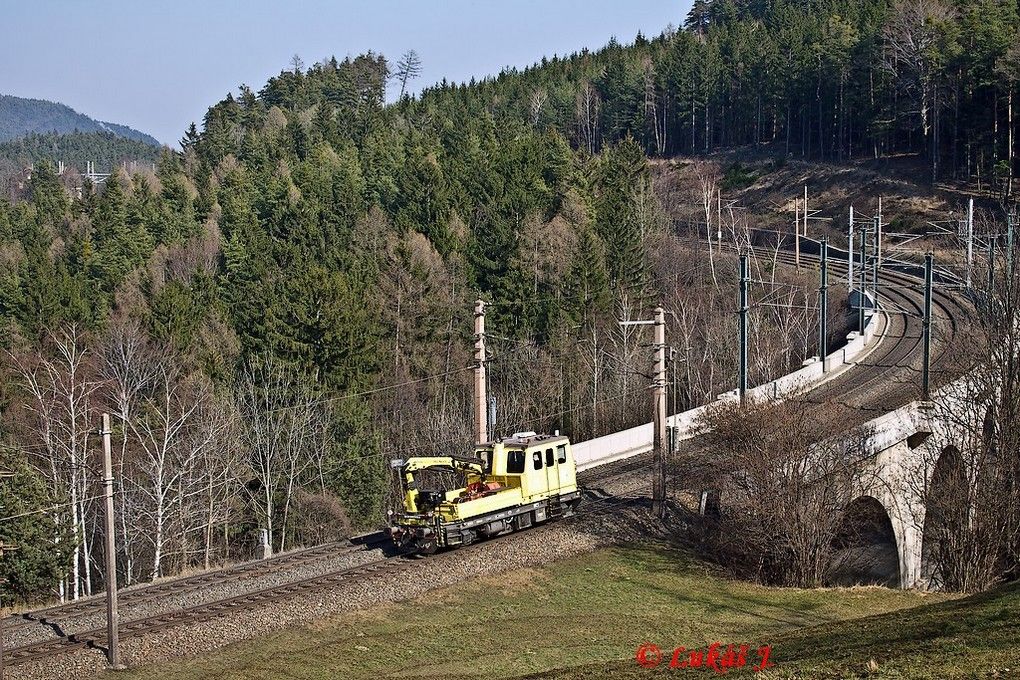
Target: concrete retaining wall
{"points": [[638, 440]]}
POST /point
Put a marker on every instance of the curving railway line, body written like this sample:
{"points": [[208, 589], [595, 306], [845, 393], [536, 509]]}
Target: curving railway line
{"points": [[886, 378], [889, 376]]}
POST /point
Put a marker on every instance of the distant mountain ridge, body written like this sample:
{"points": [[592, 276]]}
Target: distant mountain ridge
{"points": [[20, 116]]}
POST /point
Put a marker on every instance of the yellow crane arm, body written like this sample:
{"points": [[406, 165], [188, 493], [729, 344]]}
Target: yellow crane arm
{"points": [[454, 463], [411, 465]]}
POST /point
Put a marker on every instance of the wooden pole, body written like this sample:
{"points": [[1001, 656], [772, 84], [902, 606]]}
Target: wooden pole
{"points": [[4, 547], [659, 397], [796, 229], [112, 613], [805, 211], [481, 403]]}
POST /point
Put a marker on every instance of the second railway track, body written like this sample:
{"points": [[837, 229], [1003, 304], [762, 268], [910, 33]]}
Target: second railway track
{"points": [[897, 353]]}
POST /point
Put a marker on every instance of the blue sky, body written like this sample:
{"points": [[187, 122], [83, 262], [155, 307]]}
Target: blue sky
{"points": [[157, 65]]}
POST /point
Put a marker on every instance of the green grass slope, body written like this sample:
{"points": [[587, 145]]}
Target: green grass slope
{"points": [[578, 618], [972, 637]]}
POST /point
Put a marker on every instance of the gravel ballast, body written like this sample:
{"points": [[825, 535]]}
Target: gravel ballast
{"points": [[596, 525], [173, 601]]}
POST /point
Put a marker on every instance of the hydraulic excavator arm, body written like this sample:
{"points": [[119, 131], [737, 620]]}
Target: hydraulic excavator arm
{"points": [[413, 495]]}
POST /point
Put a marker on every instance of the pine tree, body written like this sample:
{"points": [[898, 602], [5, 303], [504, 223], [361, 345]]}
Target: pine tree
{"points": [[621, 176], [41, 557], [121, 238]]}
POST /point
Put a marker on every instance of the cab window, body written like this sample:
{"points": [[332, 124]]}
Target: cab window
{"points": [[486, 456], [515, 462], [536, 458], [549, 457], [561, 453]]}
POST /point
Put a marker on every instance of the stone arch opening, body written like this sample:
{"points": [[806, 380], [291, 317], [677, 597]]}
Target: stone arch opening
{"points": [[865, 551], [945, 516]]}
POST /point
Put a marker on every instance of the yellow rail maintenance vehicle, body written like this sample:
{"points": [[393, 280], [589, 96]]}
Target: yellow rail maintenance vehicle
{"points": [[512, 484]]}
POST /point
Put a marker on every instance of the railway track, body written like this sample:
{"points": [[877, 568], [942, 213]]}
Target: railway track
{"points": [[96, 637], [155, 591], [890, 375], [884, 380], [52, 617]]}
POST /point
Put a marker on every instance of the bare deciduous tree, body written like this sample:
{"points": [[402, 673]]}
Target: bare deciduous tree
{"points": [[171, 446], [61, 385], [277, 422], [587, 107], [916, 36], [969, 476], [537, 101], [126, 368], [781, 490], [708, 177]]}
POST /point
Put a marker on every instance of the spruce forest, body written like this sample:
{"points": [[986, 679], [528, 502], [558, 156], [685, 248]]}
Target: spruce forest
{"points": [[285, 303]]}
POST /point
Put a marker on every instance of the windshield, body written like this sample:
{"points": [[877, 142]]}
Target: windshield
{"points": [[486, 456]]}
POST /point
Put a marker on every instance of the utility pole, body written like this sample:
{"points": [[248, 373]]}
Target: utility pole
{"points": [[4, 547], [823, 298], [796, 230], [112, 613], [805, 211], [970, 241], [925, 384], [878, 253], [850, 250], [481, 403], [874, 258], [659, 395], [659, 408], [742, 382], [861, 298]]}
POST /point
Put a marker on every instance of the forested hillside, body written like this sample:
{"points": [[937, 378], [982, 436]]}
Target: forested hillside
{"points": [[105, 149], [20, 116], [74, 149], [821, 79], [286, 303]]}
